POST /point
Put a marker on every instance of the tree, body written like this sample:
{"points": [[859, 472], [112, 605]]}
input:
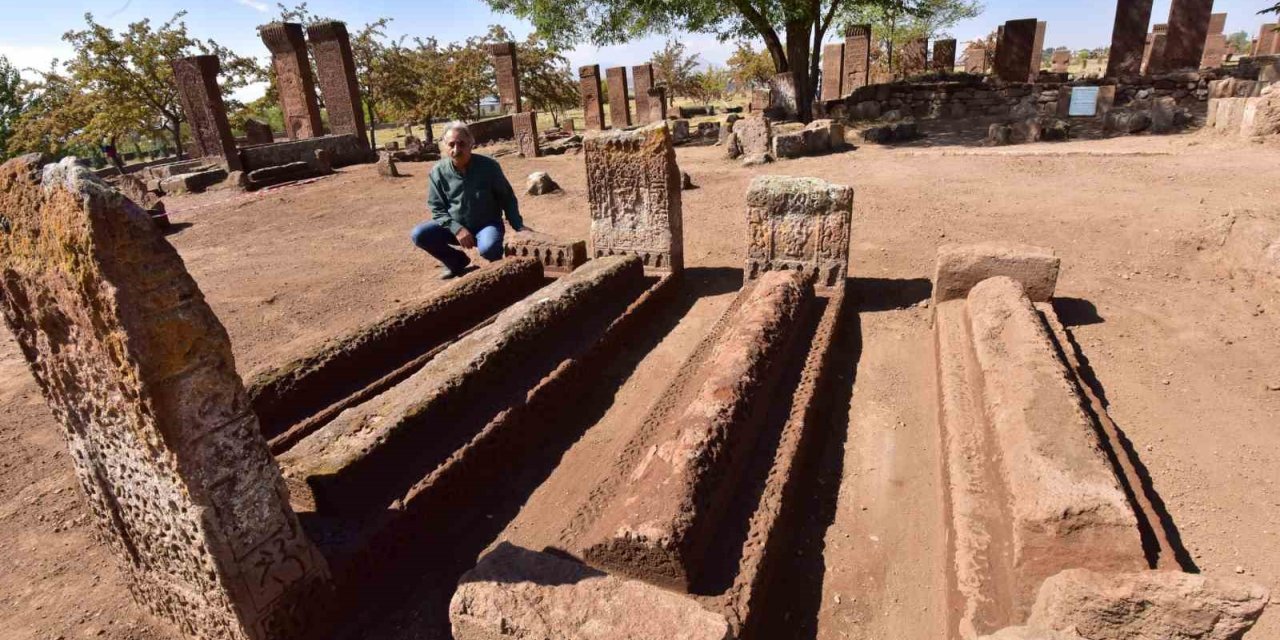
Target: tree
{"points": [[546, 81], [127, 81], [675, 69], [11, 103], [1240, 41], [749, 68], [792, 30], [711, 84]]}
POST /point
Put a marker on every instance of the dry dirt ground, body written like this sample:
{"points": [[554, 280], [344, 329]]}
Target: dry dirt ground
{"points": [[1158, 237]]}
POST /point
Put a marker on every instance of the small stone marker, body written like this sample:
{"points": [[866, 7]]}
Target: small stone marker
{"points": [[525, 126], [540, 183]]}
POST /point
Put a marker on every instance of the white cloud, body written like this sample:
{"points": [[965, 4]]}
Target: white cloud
{"points": [[253, 4]]}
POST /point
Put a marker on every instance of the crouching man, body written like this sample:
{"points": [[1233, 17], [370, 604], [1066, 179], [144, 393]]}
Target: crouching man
{"points": [[467, 194]]}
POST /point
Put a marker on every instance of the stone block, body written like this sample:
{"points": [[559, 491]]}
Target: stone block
{"points": [[914, 55], [709, 130], [642, 78], [342, 150], [960, 267], [525, 595], [524, 126], [342, 468], [257, 132], [1260, 116], [619, 105], [782, 95], [557, 255], [197, 80], [944, 55], [857, 57], [493, 129], [1014, 53], [657, 104], [387, 166], [281, 173], [633, 193], [832, 71], [1148, 604], [336, 68], [799, 224], [194, 182], [679, 131], [1188, 31], [755, 136], [139, 371], [790, 145], [540, 183], [1066, 506], [660, 526]]}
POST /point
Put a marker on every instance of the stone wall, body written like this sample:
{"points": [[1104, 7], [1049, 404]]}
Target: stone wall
{"points": [[343, 150]]}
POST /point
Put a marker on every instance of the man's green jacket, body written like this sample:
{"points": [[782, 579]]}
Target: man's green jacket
{"points": [[474, 199]]}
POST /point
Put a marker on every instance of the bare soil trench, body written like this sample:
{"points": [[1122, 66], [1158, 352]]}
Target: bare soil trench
{"points": [[1159, 290]]}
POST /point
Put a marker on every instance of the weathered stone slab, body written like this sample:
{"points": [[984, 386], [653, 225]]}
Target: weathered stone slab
{"points": [[915, 53], [342, 150], [589, 89], [1153, 58], [1014, 55], [1148, 604], [258, 132], [633, 191], [343, 466], [525, 595], [782, 95], [557, 255], [1066, 505], [657, 104], [197, 81], [1037, 51], [619, 105], [944, 55], [755, 136], [961, 267], [525, 127], [790, 145], [507, 69], [282, 173], [1188, 29], [1268, 41], [341, 366], [139, 371], [799, 224], [857, 61], [642, 78], [294, 83], [335, 64], [658, 530], [492, 129], [832, 71], [194, 182], [1060, 61]]}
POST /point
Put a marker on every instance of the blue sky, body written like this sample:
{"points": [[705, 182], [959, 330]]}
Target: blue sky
{"points": [[30, 37]]}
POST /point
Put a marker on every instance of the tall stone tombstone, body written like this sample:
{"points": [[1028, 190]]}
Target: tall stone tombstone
{"points": [[1037, 51], [1215, 44], [589, 88], [782, 95], [799, 224], [619, 105], [657, 104], [642, 78], [1268, 42], [975, 59], [1128, 38], [197, 80], [507, 69], [1188, 28], [1153, 57], [337, 68], [833, 71], [944, 55], [914, 57], [138, 371], [633, 193], [525, 127], [288, 47], [857, 57], [1013, 57]]}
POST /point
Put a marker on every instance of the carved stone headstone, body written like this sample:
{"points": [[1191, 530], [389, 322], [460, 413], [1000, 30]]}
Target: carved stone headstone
{"points": [[197, 81], [755, 137], [1060, 61], [633, 193], [799, 224], [1013, 56], [642, 78], [507, 69], [1037, 51], [619, 107], [944, 55], [1188, 28], [337, 68], [832, 71], [975, 59], [294, 83], [782, 95], [1153, 55], [657, 104], [258, 132], [1268, 42], [914, 53], [1215, 43], [139, 372], [589, 88], [1128, 37], [525, 125], [857, 57]]}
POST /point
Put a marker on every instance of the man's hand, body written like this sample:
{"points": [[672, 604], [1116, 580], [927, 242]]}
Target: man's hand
{"points": [[465, 239]]}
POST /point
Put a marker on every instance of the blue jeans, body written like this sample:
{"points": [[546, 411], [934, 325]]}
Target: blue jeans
{"points": [[440, 242]]}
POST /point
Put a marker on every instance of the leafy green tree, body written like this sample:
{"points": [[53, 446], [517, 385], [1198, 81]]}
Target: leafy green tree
{"points": [[676, 70], [749, 68], [11, 103], [1240, 40], [126, 79], [711, 84]]}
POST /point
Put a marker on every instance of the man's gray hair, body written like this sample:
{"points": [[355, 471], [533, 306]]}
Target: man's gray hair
{"points": [[462, 129]]}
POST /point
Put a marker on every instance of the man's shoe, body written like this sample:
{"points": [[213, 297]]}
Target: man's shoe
{"points": [[448, 274]]}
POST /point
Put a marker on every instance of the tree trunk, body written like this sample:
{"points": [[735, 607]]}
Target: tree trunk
{"points": [[428, 136], [798, 55], [175, 128], [373, 125]]}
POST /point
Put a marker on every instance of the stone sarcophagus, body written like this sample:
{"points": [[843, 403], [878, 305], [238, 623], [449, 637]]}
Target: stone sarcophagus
{"points": [[799, 224]]}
